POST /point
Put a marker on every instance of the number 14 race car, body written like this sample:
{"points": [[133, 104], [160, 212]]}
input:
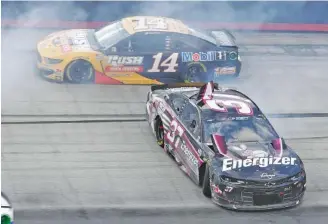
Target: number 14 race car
{"points": [[225, 144], [138, 50]]}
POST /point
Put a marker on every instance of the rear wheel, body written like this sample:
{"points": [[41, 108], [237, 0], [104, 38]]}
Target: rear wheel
{"points": [[206, 183], [80, 71], [193, 73], [159, 130]]}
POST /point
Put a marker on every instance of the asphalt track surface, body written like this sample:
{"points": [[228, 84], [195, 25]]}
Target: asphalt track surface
{"points": [[113, 172]]}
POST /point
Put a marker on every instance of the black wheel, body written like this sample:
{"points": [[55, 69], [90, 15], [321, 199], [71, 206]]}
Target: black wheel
{"points": [[206, 183], [193, 73], [80, 71], [159, 130]]}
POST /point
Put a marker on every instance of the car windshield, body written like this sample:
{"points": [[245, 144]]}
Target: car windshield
{"points": [[111, 35], [236, 128]]}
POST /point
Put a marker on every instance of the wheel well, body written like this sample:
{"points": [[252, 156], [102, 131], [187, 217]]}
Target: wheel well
{"points": [[157, 119], [201, 171]]}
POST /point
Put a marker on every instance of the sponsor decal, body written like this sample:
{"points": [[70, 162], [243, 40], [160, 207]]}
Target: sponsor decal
{"points": [[116, 60], [225, 70], [209, 56], [183, 89], [267, 176], [66, 48], [58, 71], [100, 57], [189, 154], [230, 164], [204, 69], [79, 38], [57, 41], [288, 188], [160, 107], [124, 69], [196, 57]]}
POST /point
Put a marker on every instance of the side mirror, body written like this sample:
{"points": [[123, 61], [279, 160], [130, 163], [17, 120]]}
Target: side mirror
{"points": [[219, 144], [279, 145]]}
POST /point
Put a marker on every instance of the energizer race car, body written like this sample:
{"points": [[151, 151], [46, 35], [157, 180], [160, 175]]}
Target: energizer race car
{"points": [[7, 212], [223, 141], [138, 50]]}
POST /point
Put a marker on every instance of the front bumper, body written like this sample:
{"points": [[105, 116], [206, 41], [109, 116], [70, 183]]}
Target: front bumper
{"points": [[258, 198], [242, 207], [48, 72]]}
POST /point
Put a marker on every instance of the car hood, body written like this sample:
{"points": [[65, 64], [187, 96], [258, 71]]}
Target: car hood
{"points": [[257, 161], [66, 41]]}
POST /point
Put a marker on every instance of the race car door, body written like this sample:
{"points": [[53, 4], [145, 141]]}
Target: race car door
{"points": [[190, 118], [142, 59]]}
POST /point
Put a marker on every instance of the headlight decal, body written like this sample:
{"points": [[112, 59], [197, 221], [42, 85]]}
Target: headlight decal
{"points": [[52, 60]]}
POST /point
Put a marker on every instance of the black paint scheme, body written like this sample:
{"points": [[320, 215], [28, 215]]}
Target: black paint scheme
{"points": [[180, 119]]}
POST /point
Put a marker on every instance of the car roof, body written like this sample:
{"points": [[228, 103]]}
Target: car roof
{"points": [[222, 94], [174, 25]]}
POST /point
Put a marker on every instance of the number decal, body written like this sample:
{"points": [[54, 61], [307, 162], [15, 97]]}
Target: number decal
{"points": [[150, 23], [228, 189], [220, 105], [79, 42], [175, 130], [170, 63], [80, 39]]}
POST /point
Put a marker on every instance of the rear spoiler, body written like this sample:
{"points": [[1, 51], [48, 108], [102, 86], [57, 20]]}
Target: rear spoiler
{"points": [[180, 85], [224, 38]]}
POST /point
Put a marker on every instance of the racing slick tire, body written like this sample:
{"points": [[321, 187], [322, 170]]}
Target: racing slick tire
{"points": [[206, 188], [79, 71], [159, 130], [192, 72]]}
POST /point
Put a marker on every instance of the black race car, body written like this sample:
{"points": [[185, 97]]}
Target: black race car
{"points": [[223, 141]]}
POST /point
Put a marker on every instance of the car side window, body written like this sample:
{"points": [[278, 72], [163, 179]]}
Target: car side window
{"points": [[183, 42], [178, 103], [190, 118], [143, 42]]}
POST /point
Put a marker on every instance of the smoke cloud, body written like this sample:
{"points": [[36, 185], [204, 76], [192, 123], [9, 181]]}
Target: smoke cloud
{"points": [[18, 45]]}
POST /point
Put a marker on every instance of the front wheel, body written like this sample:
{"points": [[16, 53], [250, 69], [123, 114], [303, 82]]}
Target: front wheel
{"points": [[206, 183], [159, 130], [80, 71]]}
